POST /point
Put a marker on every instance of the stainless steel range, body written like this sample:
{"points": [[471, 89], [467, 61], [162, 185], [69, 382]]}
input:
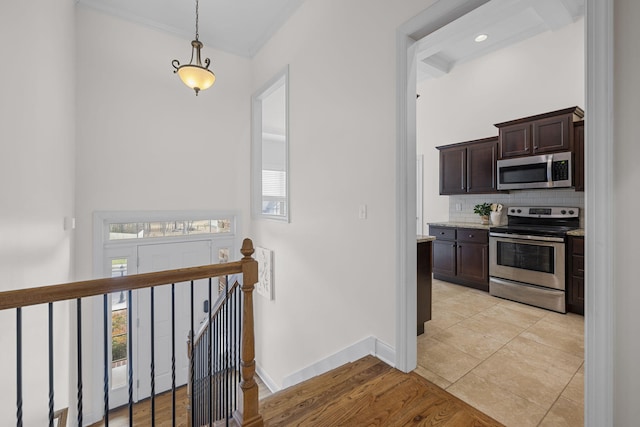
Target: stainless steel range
{"points": [[527, 256]]}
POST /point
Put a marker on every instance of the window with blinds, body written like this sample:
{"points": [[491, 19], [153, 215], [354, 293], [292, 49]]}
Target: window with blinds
{"points": [[274, 192], [270, 149]]}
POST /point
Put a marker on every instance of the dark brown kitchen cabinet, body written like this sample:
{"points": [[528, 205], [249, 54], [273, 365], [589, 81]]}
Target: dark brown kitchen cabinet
{"points": [[423, 285], [575, 276], [473, 257], [461, 255], [541, 134], [469, 167], [453, 165], [578, 160]]}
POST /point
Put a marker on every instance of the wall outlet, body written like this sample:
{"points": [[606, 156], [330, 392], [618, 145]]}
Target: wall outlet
{"points": [[458, 207], [362, 212]]}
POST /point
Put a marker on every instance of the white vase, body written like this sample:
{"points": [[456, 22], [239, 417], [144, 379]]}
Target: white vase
{"points": [[496, 217]]}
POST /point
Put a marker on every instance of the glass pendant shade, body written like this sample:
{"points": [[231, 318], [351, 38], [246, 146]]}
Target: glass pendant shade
{"points": [[196, 77]]}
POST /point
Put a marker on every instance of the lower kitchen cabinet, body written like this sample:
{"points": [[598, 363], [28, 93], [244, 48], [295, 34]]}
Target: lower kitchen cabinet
{"points": [[424, 284], [461, 255], [575, 276]]}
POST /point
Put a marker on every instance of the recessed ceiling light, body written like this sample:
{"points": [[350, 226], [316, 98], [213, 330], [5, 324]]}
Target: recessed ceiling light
{"points": [[481, 37]]}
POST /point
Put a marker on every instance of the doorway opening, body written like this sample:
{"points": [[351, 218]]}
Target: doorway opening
{"points": [[142, 242], [599, 193]]}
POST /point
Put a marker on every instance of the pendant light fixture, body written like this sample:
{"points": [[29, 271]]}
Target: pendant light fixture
{"points": [[196, 76]]}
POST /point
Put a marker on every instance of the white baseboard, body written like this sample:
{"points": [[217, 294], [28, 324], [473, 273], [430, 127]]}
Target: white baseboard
{"points": [[368, 346], [266, 379]]}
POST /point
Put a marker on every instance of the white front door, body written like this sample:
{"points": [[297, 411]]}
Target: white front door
{"points": [[158, 257], [148, 258]]}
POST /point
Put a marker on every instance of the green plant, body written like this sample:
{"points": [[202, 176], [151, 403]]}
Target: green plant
{"points": [[483, 209]]}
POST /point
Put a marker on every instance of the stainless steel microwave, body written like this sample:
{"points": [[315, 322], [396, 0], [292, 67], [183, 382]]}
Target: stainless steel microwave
{"points": [[545, 171]]}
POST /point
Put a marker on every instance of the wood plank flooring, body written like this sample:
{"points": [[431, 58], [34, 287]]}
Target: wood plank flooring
{"points": [[142, 412], [368, 392]]}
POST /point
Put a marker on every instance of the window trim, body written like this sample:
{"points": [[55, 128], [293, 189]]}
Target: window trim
{"points": [[102, 219], [281, 78]]}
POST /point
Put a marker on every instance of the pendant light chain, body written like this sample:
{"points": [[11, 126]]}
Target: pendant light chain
{"points": [[197, 18]]}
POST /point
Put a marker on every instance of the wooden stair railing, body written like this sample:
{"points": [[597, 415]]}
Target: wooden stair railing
{"points": [[247, 413], [214, 361]]}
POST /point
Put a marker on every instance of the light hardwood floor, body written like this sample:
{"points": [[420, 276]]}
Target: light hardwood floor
{"points": [[142, 412], [522, 365], [369, 392]]}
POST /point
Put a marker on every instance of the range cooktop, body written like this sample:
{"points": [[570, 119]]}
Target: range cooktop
{"points": [[540, 221]]}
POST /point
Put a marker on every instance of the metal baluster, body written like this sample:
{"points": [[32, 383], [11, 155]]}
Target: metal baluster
{"points": [[209, 355], [227, 335], [203, 407], [50, 364], [234, 299], [173, 354], [19, 366], [192, 367], [232, 304], [219, 345], [105, 332], [238, 296], [153, 360], [221, 359], [129, 364], [79, 338]]}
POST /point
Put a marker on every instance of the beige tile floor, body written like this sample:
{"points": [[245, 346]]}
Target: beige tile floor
{"points": [[522, 365]]}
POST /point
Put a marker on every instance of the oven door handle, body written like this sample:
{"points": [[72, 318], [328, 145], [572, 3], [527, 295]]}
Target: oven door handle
{"points": [[525, 237]]}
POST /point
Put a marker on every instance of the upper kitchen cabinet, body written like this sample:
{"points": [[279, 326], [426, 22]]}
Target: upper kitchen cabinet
{"points": [[469, 167], [541, 134], [453, 166]]}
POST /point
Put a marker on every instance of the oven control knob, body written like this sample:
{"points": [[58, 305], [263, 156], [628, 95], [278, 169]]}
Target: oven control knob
{"points": [[563, 212], [519, 210], [571, 212]]}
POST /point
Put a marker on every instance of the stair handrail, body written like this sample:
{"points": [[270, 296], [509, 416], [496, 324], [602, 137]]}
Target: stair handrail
{"points": [[88, 288], [247, 414]]}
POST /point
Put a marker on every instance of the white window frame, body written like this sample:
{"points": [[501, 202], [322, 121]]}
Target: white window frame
{"points": [[257, 138], [102, 243]]}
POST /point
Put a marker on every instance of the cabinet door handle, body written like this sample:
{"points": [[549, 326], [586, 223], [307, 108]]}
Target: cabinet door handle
{"points": [[470, 235], [442, 233]]}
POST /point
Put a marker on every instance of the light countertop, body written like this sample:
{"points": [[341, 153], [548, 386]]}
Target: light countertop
{"points": [[577, 232], [422, 239], [461, 225]]}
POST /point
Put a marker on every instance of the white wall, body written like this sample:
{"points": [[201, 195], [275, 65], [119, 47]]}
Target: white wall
{"points": [[145, 142], [625, 213], [537, 75], [37, 118], [334, 273]]}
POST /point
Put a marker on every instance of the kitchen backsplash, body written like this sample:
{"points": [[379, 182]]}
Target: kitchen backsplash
{"points": [[558, 197]]}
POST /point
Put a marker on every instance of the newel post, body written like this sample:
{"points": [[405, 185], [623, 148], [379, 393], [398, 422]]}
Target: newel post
{"points": [[247, 413]]}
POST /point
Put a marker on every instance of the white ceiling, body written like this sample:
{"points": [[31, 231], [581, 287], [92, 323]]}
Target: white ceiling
{"points": [[240, 27], [505, 22]]}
